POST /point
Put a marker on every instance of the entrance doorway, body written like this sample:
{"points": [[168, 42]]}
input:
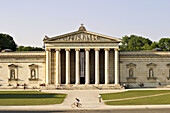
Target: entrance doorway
{"points": [[82, 67]]}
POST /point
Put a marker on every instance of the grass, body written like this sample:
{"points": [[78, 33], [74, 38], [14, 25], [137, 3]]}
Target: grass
{"points": [[157, 100], [30, 98], [129, 94]]}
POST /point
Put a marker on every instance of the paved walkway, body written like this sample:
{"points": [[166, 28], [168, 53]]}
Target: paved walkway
{"points": [[89, 100]]}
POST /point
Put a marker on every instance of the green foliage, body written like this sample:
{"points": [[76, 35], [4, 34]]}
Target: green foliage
{"points": [[164, 43], [28, 48], [7, 42], [135, 43], [140, 43]]}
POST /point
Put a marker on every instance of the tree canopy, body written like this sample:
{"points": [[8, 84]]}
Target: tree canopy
{"points": [[7, 42], [28, 48], [133, 42], [164, 43]]}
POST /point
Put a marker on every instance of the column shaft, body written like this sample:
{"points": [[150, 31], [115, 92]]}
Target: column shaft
{"points": [[87, 67], [58, 75], [106, 66], [67, 66], [97, 66], [48, 65], [116, 67], [77, 66]]}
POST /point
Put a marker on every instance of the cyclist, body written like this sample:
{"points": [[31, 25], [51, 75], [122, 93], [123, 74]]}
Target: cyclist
{"points": [[77, 101]]}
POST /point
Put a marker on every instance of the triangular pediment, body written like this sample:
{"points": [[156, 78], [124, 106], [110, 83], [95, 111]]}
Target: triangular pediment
{"points": [[151, 64], [33, 66], [130, 65], [82, 36], [12, 66]]}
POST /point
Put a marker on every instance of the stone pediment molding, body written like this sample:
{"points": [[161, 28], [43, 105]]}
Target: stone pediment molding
{"points": [[12, 66], [151, 65], [130, 65], [82, 36], [33, 66]]}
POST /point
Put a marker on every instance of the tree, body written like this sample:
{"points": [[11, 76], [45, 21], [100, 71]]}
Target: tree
{"points": [[7, 42], [135, 43], [154, 45], [164, 43], [28, 48]]}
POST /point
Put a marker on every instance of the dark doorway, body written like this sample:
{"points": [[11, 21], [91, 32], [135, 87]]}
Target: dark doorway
{"points": [[82, 67]]}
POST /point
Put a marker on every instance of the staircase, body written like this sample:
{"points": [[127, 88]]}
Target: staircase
{"points": [[83, 87]]}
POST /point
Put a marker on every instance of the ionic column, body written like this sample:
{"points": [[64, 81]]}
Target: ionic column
{"points": [[87, 66], [97, 66], [58, 67], [67, 66], [77, 66], [106, 66], [116, 66], [48, 65]]}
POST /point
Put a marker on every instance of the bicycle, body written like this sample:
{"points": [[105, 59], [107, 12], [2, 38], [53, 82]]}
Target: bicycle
{"points": [[75, 105]]}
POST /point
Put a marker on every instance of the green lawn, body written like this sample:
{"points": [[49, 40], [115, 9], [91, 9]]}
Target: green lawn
{"points": [[157, 100], [30, 98], [134, 93]]}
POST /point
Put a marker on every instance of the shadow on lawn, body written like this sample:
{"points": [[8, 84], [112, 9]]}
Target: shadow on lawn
{"points": [[9, 96]]}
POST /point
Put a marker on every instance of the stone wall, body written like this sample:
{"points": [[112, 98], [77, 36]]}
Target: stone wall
{"points": [[21, 62], [136, 67]]}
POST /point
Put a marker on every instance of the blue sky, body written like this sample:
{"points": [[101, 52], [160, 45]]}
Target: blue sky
{"points": [[28, 21]]}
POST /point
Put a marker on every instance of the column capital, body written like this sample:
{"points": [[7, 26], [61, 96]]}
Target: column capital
{"points": [[47, 49], [107, 49], [57, 49], [116, 49], [77, 49], [96, 49], [87, 49], [67, 49]]}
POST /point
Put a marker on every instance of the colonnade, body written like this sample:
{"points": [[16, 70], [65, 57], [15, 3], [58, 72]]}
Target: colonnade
{"points": [[87, 68]]}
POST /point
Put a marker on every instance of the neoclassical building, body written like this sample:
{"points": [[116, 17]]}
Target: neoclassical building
{"points": [[82, 59]]}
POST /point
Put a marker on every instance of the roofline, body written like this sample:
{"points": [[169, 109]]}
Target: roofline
{"points": [[75, 32]]}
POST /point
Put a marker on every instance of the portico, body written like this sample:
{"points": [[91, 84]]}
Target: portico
{"points": [[82, 57]]}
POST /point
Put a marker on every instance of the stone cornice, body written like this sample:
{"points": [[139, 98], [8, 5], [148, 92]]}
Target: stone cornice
{"points": [[22, 56], [144, 56]]}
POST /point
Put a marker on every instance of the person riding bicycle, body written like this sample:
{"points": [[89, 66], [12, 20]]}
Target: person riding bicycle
{"points": [[77, 101]]}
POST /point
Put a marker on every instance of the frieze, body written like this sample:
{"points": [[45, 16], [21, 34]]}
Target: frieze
{"points": [[82, 37]]}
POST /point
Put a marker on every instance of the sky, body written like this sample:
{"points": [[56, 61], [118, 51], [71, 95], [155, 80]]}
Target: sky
{"points": [[28, 21]]}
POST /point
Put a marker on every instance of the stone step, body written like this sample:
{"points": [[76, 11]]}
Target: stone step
{"points": [[83, 87]]}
